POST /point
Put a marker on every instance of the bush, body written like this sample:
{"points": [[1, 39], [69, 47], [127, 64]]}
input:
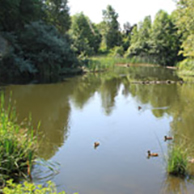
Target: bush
{"points": [[117, 51], [49, 51], [27, 188], [38, 50]]}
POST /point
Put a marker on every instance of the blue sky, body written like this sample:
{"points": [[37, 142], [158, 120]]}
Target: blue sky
{"points": [[132, 11]]}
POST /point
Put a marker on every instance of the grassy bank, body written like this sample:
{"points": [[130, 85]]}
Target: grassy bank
{"points": [[17, 146], [102, 63]]}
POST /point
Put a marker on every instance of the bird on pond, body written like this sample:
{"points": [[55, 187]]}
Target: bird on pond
{"points": [[152, 154], [139, 107], [167, 138], [96, 144]]}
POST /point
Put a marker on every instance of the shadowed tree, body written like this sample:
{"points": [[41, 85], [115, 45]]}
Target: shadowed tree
{"points": [[57, 14]]}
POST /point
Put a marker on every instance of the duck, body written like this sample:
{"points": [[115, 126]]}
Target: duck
{"points": [[139, 107], [96, 144], [167, 138], [152, 154]]}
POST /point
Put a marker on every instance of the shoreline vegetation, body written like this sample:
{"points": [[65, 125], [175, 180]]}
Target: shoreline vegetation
{"points": [[18, 146]]}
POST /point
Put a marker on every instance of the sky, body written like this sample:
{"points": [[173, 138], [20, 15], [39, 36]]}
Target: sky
{"points": [[132, 11]]}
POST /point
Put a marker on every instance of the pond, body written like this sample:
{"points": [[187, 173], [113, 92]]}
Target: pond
{"points": [[125, 117]]}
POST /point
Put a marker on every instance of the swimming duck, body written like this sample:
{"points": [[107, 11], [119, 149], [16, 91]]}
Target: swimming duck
{"points": [[152, 154], [96, 144], [139, 107], [167, 138]]}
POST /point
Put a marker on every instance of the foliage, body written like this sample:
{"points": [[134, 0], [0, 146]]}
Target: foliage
{"points": [[157, 42], [13, 188], [48, 49], [57, 14], [40, 50], [14, 14], [177, 161], [112, 36], [140, 44], [184, 20], [85, 35], [165, 39], [17, 145], [117, 51]]}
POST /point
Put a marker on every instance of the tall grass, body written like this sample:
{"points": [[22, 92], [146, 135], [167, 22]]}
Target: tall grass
{"points": [[178, 161], [101, 63], [17, 145]]}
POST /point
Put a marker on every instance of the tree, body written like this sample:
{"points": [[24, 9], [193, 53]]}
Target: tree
{"points": [[185, 23], [112, 34], [85, 35], [156, 42], [140, 37], [57, 14], [14, 14], [164, 39]]}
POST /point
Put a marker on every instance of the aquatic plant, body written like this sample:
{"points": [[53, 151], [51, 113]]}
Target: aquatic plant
{"points": [[177, 161], [17, 145], [13, 188]]}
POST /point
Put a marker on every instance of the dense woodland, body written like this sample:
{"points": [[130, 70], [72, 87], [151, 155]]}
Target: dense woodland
{"points": [[39, 38]]}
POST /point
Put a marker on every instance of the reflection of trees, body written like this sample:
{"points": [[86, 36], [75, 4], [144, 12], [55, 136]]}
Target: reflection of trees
{"points": [[160, 97], [109, 91], [182, 113], [48, 104]]}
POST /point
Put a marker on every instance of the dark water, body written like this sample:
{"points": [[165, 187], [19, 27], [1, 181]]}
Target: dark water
{"points": [[103, 107]]}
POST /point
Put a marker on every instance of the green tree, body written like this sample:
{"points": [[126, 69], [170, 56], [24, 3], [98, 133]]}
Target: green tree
{"points": [[14, 14], [40, 50], [57, 14], [85, 35], [185, 23], [112, 35], [140, 44], [164, 40]]}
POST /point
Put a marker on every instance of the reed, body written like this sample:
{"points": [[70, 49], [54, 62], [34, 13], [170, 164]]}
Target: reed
{"points": [[17, 145], [177, 161], [101, 63]]}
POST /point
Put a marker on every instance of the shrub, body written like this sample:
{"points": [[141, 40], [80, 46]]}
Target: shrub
{"points": [[117, 51], [26, 188]]}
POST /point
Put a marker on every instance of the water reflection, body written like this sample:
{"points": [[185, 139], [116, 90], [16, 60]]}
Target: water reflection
{"points": [[104, 106], [47, 104]]}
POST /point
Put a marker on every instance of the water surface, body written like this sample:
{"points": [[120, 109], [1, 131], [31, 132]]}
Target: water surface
{"points": [[103, 107]]}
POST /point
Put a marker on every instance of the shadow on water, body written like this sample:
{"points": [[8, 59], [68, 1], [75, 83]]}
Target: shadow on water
{"points": [[104, 107]]}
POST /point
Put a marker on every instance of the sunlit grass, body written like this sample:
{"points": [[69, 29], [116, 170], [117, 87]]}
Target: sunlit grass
{"points": [[27, 188], [101, 63], [178, 161]]}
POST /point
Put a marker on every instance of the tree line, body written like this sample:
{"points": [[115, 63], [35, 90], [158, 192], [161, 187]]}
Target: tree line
{"points": [[44, 41]]}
